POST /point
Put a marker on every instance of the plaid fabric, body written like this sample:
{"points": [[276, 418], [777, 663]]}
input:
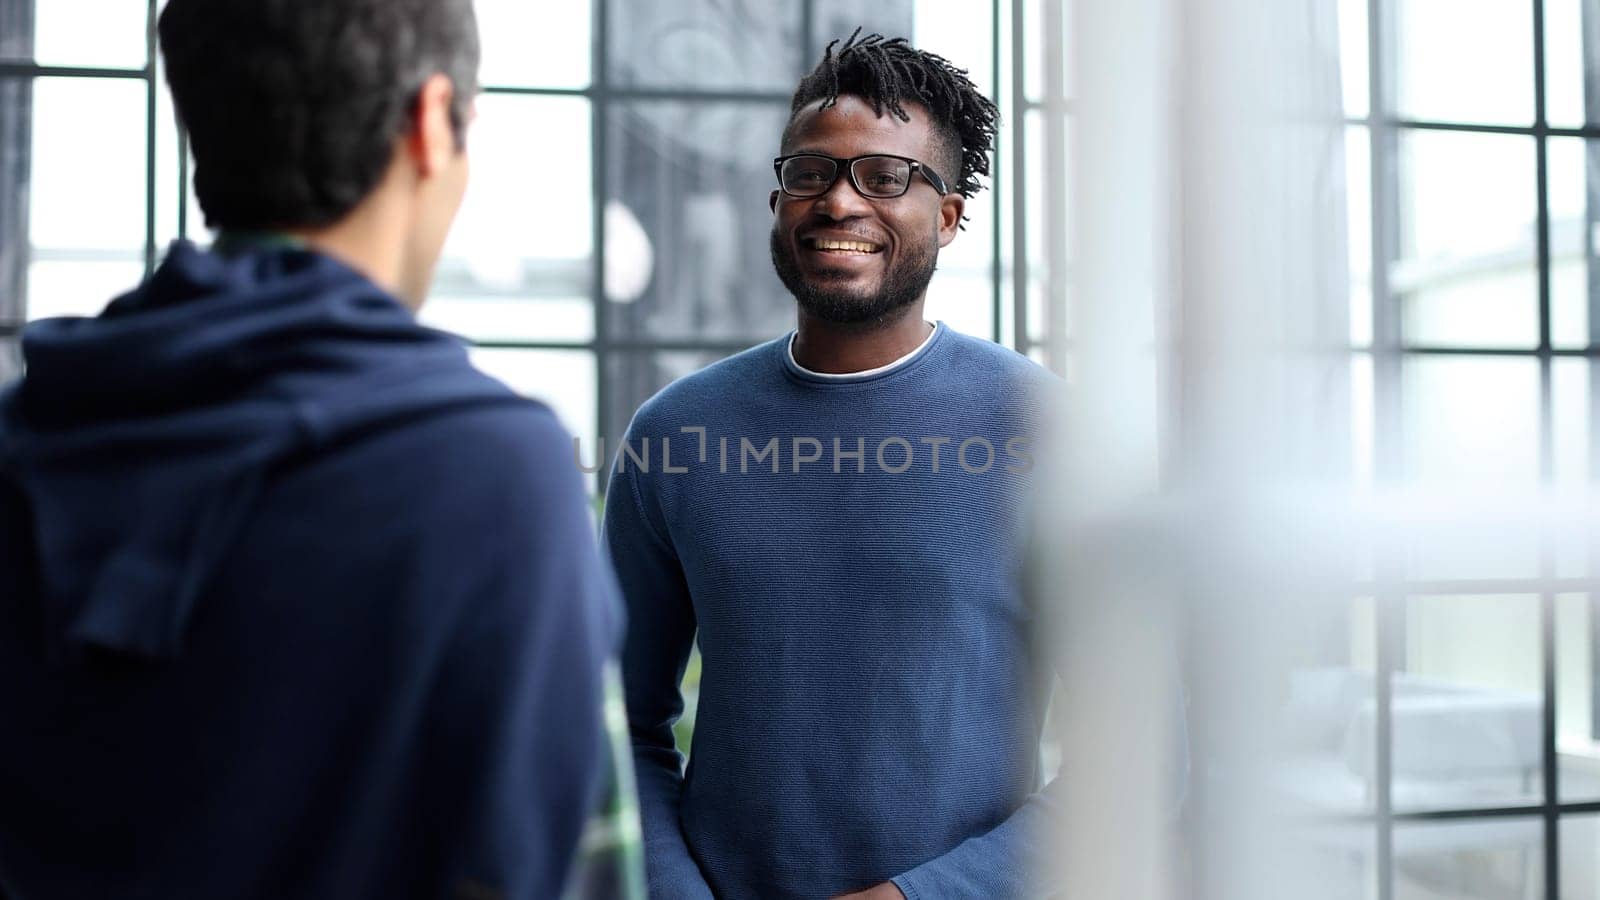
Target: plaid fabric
{"points": [[610, 862]]}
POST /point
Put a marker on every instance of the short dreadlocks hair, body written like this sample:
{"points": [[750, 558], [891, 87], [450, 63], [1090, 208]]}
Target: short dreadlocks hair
{"points": [[890, 72]]}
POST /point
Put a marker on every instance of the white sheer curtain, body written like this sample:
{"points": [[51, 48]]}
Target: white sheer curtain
{"points": [[1205, 443]]}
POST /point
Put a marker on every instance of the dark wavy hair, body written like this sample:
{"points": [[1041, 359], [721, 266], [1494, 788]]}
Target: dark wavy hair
{"points": [[292, 107], [888, 73]]}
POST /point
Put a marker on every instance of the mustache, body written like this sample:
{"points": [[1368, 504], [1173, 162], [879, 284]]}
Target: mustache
{"points": [[833, 232]]}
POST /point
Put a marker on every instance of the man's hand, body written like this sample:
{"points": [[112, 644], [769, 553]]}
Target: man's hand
{"points": [[885, 891]]}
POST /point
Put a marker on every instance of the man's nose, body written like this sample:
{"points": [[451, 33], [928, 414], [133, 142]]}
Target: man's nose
{"points": [[841, 200]]}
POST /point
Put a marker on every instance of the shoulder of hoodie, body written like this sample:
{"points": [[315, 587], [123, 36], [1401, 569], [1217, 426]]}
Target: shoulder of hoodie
{"points": [[501, 459], [516, 442], [481, 503]]}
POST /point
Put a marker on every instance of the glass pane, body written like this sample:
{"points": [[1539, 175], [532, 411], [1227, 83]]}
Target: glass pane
{"points": [[1469, 422], [1032, 51], [1358, 231], [517, 264], [1571, 393], [1330, 860], [1456, 67], [962, 292], [1005, 204], [1574, 227], [1363, 421], [689, 255], [1354, 65], [169, 170], [1033, 206], [1364, 636], [1482, 548], [702, 44], [1569, 400], [1328, 706], [1577, 725], [1467, 275], [1564, 86], [564, 379], [838, 18], [960, 32], [1038, 317], [78, 287], [87, 190], [87, 152], [16, 147], [1047, 313], [16, 29], [1479, 859], [10, 360], [634, 377], [1471, 419], [1329, 848], [962, 297], [1580, 857], [535, 44], [100, 33], [1467, 708]]}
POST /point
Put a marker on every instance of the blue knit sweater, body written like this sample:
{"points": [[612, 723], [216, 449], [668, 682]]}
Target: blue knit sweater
{"points": [[846, 553]]}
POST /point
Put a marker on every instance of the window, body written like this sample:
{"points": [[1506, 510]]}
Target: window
{"points": [[1472, 187], [641, 251]]}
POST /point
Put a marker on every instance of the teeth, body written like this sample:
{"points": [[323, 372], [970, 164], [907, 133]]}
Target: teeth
{"points": [[857, 246]]}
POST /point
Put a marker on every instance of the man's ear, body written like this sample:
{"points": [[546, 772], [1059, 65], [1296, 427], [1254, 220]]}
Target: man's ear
{"points": [[772, 201], [951, 207], [432, 141]]}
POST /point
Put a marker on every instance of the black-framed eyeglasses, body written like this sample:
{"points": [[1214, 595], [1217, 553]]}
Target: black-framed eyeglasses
{"points": [[880, 176]]}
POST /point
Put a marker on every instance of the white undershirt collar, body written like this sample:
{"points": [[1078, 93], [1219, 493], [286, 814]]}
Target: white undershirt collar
{"points": [[868, 373]]}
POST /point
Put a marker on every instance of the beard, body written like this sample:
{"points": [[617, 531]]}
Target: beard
{"points": [[825, 297]]}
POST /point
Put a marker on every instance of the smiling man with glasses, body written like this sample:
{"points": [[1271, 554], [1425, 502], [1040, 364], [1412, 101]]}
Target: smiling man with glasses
{"points": [[834, 516]]}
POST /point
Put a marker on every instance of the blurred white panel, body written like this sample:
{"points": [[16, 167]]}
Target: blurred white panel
{"points": [[529, 44], [88, 165], [99, 33], [1465, 61]]}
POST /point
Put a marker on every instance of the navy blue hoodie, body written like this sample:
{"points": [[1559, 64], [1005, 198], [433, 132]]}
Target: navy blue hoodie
{"points": [[293, 602]]}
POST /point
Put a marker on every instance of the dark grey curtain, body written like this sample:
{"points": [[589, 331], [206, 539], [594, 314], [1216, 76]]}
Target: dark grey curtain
{"points": [[16, 116]]}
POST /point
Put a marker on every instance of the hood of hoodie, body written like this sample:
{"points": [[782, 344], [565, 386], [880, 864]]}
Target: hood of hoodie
{"points": [[142, 438]]}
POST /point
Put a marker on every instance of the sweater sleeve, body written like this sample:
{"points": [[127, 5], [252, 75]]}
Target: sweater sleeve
{"points": [[999, 863], [1005, 861], [660, 635], [1009, 859]]}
